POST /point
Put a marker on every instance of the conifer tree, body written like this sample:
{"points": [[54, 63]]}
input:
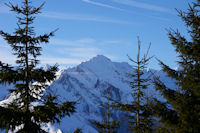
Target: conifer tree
{"points": [[22, 114], [107, 125], [139, 110], [181, 112]]}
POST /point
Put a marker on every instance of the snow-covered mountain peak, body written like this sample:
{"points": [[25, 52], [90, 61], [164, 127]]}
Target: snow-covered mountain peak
{"points": [[97, 61], [100, 58], [100, 68]]}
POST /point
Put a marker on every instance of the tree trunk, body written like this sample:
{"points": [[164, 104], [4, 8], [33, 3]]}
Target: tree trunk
{"points": [[138, 90]]}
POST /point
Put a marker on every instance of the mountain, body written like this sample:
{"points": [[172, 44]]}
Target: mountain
{"points": [[87, 84]]}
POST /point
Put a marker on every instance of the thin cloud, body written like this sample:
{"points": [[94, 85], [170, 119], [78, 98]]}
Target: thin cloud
{"points": [[143, 5], [84, 49], [7, 57], [83, 42], [81, 52], [80, 42], [66, 61], [4, 44], [134, 4], [111, 42], [82, 17], [75, 16], [5, 52], [4, 9], [102, 5]]}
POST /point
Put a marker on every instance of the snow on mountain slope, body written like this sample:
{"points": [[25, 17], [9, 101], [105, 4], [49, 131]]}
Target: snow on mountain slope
{"points": [[87, 84]]}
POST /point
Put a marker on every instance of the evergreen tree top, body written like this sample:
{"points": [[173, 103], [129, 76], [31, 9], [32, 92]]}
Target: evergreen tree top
{"points": [[30, 82], [181, 111]]}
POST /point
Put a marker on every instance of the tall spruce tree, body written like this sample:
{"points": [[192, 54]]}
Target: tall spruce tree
{"points": [[181, 112], [107, 125], [29, 81], [139, 110]]}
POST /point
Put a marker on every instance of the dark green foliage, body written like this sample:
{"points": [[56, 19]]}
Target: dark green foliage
{"points": [[107, 125], [29, 81], [140, 109], [78, 130], [181, 112]]}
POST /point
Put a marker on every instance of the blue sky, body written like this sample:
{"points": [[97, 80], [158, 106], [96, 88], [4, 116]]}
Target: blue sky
{"points": [[108, 27]]}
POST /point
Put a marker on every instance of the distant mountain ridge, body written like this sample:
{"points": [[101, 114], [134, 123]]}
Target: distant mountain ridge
{"points": [[87, 84]]}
